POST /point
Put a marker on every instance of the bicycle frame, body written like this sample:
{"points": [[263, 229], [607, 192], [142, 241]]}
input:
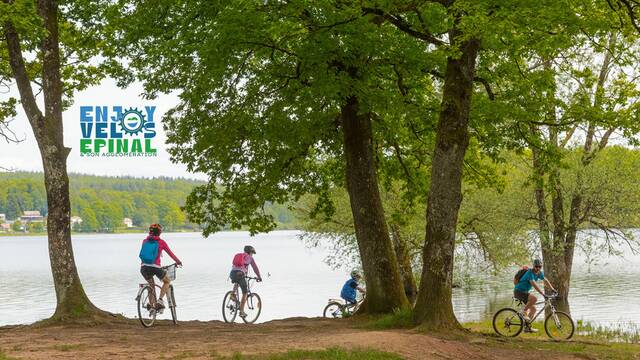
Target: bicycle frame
{"points": [[547, 303]]}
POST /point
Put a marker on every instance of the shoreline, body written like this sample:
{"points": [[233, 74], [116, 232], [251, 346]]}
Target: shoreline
{"points": [[138, 231]]}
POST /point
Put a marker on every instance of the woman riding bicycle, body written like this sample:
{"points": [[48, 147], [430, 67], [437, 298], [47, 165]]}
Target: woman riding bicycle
{"points": [[239, 270], [150, 254]]}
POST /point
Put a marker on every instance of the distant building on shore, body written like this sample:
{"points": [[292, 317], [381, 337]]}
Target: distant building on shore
{"points": [[127, 222], [3, 218], [5, 227], [31, 216], [76, 220]]}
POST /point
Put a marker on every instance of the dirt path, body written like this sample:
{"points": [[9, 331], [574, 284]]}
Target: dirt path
{"points": [[202, 340]]}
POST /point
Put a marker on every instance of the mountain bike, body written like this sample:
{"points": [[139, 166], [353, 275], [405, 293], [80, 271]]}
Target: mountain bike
{"points": [[338, 308], [510, 322], [231, 304], [147, 313]]}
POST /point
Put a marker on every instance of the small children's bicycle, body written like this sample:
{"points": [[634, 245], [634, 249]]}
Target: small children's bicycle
{"points": [[338, 308]]}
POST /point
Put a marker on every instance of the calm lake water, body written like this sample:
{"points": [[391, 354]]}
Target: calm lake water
{"points": [[299, 283]]}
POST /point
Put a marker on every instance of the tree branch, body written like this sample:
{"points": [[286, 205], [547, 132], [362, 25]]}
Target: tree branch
{"points": [[404, 26], [22, 78]]}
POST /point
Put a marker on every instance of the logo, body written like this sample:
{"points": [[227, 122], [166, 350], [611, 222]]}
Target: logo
{"points": [[117, 131]]}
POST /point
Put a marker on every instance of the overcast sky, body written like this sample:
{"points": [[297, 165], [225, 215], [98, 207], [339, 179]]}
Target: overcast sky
{"points": [[25, 155]]}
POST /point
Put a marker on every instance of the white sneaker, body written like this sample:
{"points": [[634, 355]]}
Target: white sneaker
{"points": [[529, 329], [243, 314]]}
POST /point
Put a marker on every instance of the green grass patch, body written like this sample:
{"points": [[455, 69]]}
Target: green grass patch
{"points": [[4, 356], [328, 354], [628, 333], [400, 319], [589, 345], [68, 347]]}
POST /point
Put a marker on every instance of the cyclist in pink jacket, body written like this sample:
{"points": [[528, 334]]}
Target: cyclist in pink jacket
{"points": [[239, 270]]}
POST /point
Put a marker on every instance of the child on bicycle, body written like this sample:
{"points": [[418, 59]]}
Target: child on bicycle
{"points": [[150, 253], [349, 288], [239, 271]]}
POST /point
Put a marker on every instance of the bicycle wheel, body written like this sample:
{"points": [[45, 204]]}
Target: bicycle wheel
{"points": [[172, 304], [559, 326], [507, 322], [146, 312], [230, 307], [252, 308], [333, 310]]}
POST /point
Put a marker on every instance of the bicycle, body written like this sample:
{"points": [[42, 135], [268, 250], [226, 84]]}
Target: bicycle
{"points": [[231, 304], [510, 322], [146, 312], [338, 308]]}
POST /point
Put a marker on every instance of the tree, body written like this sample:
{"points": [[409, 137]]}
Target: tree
{"points": [[17, 226], [582, 93], [41, 29], [36, 227], [296, 96]]}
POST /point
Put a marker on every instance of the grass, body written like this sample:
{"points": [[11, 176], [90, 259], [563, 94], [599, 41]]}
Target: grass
{"points": [[590, 345], [4, 356], [68, 347], [400, 319], [327, 354], [622, 332]]}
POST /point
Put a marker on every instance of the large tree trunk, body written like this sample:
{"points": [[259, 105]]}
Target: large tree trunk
{"points": [[433, 307], [72, 302], [404, 263], [384, 288]]}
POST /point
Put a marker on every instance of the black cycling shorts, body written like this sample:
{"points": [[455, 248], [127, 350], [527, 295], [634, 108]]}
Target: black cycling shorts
{"points": [[237, 277], [522, 296], [149, 271]]}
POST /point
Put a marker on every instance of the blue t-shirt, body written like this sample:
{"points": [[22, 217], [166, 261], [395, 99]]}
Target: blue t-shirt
{"points": [[349, 290], [524, 285]]}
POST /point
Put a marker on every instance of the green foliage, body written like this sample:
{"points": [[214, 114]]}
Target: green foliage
{"points": [[17, 226], [261, 97]]}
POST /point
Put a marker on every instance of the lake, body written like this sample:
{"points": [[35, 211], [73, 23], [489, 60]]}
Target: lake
{"points": [[296, 280]]}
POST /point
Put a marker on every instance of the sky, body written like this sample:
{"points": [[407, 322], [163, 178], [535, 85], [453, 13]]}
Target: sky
{"points": [[25, 155]]}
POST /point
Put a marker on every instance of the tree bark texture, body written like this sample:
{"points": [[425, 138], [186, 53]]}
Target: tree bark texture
{"points": [[433, 307], [384, 287], [72, 301]]}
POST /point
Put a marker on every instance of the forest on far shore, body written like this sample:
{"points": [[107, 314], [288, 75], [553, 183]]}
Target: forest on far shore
{"points": [[103, 202]]}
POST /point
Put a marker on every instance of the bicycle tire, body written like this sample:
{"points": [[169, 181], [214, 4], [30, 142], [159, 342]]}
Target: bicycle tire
{"points": [[331, 313], [509, 314], [254, 303], [172, 297], [551, 327], [232, 306], [142, 307]]}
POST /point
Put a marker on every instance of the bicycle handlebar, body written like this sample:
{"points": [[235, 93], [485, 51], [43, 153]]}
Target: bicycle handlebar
{"points": [[174, 264]]}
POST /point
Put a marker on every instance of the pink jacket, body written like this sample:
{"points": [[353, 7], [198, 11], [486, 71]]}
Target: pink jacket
{"points": [[162, 246], [248, 260]]}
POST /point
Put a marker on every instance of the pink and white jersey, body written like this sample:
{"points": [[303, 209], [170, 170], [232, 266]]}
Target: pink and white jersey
{"points": [[246, 261]]}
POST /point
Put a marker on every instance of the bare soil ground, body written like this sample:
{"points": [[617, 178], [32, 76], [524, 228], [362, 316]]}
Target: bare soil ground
{"points": [[205, 340]]}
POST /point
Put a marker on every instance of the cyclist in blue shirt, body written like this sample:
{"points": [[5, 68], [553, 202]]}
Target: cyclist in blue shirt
{"points": [[523, 287], [349, 288]]}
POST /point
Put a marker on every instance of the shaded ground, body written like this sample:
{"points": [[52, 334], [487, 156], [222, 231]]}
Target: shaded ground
{"points": [[206, 340]]}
